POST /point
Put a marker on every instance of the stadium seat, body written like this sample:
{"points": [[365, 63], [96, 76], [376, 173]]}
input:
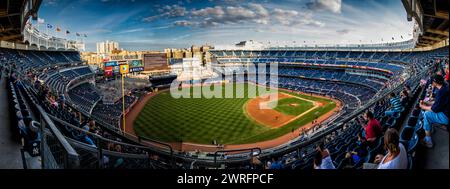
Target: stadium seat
{"points": [[412, 144], [377, 149], [406, 134], [410, 162], [412, 121]]}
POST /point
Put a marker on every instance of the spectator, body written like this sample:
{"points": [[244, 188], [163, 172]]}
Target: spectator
{"points": [[323, 159], [361, 148], [317, 160], [446, 72], [62, 101], [86, 137], [348, 161], [256, 163], [396, 105], [404, 97], [268, 164], [396, 158], [92, 127], [408, 90], [276, 164], [75, 119], [437, 111], [373, 129]]}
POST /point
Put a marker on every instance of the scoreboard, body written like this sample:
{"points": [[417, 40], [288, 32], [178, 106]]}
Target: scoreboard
{"points": [[155, 61]]}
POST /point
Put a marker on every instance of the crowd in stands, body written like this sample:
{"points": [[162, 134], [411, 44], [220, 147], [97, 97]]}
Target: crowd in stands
{"points": [[85, 97], [110, 114], [112, 90], [377, 139], [27, 59]]}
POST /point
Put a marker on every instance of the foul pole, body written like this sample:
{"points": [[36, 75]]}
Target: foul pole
{"points": [[123, 103]]}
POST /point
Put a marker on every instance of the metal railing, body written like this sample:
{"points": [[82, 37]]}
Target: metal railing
{"points": [[106, 151], [56, 152], [251, 155]]}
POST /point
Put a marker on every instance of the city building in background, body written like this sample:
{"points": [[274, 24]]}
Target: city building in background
{"points": [[202, 53], [107, 47]]}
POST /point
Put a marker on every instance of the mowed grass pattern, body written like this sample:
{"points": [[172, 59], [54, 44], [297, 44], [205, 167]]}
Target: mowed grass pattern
{"points": [[202, 120]]}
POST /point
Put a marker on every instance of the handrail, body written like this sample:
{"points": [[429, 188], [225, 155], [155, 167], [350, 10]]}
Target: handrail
{"points": [[59, 136], [93, 134], [140, 138], [238, 150]]}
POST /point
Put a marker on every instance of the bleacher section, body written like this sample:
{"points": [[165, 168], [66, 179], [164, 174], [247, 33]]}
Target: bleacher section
{"points": [[37, 59], [85, 96]]}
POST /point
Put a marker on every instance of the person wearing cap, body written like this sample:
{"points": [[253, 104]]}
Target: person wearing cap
{"points": [[437, 111]]}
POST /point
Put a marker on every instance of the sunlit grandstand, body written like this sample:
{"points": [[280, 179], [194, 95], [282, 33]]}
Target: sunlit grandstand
{"points": [[337, 106]]}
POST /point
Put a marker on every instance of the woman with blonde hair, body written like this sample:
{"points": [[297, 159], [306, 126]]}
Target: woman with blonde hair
{"points": [[396, 158]]}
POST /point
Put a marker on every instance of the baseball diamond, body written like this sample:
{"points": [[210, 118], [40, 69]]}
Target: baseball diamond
{"points": [[227, 120]]}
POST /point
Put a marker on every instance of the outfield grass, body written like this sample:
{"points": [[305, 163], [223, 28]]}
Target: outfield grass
{"points": [[202, 120]]}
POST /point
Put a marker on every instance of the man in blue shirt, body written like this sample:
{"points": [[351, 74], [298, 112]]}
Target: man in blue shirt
{"points": [[396, 105], [276, 164], [437, 112]]}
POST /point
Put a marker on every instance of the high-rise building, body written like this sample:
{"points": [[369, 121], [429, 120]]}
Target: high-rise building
{"points": [[107, 47], [195, 49], [187, 54]]}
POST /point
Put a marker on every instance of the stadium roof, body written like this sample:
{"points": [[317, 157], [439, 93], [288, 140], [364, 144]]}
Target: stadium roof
{"points": [[432, 17], [11, 25]]}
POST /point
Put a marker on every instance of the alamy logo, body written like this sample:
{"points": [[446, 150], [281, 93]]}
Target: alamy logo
{"points": [[228, 82]]}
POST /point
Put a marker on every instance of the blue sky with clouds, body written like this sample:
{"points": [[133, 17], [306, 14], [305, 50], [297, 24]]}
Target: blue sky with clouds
{"points": [[159, 24]]}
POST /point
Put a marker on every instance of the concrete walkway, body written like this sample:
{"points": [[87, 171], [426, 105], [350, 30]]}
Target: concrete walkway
{"points": [[10, 157], [437, 157]]}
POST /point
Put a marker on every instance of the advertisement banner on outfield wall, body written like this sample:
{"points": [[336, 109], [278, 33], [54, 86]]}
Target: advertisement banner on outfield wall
{"points": [[109, 71], [135, 63], [136, 69], [112, 64]]}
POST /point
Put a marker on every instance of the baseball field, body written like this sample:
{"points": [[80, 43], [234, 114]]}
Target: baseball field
{"points": [[242, 119]]}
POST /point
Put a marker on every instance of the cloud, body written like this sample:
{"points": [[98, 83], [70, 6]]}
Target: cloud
{"points": [[161, 27], [295, 18], [131, 31], [168, 11], [181, 37], [213, 16], [183, 23], [96, 31], [259, 30], [51, 2], [343, 31], [330, 5], [209, 11], [251, 13], [259, 9], [284, 16]]}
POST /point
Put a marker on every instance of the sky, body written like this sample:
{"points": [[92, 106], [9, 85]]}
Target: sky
{"points": [[159, 24]]}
